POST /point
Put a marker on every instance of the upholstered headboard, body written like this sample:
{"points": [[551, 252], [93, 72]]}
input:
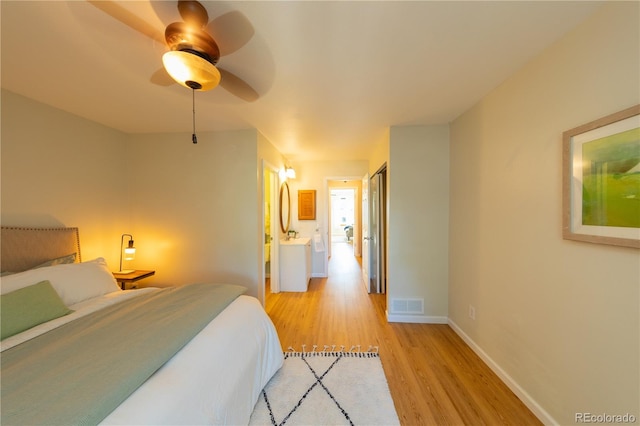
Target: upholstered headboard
{"points": [[24, 248]]}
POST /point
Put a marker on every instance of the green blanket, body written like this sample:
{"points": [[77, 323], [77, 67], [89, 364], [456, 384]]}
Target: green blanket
{"points": [[78, 373]]}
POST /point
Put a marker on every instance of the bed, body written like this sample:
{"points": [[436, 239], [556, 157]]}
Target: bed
{"points": [[196, 354]]}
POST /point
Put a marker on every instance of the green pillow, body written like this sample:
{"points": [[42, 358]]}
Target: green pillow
{"points": [[29, 306], [70, 258]]}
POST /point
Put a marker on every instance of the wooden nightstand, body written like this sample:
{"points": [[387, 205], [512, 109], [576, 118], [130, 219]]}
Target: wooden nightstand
{"points": [[132, 277]]}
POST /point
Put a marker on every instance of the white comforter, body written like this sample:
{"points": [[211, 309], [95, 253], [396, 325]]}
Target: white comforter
{"points": [[215, 379]]}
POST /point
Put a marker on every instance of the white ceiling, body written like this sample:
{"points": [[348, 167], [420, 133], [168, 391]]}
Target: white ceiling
{"points": [[332, 76]]}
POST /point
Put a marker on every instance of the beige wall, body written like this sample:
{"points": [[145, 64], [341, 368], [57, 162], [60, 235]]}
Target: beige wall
{"points": [[61, 170], [192, 209], [379, 155], [195, 207], [418, 220], [559, 318]]}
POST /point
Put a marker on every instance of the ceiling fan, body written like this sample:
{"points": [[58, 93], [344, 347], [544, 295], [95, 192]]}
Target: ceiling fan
{"points": [[193, 52]]}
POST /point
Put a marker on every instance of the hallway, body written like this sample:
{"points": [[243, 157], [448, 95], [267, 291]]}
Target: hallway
{"points": [[344, 267], [433, 376], [334, 310]]}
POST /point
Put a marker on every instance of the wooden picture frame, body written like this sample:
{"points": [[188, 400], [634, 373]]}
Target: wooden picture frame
{"points": [[307, 204], [601, 180]]}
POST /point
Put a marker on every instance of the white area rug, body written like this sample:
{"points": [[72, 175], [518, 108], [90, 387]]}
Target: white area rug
{"points": [[327, 388]]}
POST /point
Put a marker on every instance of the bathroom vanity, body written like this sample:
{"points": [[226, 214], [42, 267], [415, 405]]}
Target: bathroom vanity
{"points": [[295, 264]]}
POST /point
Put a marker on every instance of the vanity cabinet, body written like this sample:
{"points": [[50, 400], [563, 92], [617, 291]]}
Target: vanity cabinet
{"points": [[295, 264]]}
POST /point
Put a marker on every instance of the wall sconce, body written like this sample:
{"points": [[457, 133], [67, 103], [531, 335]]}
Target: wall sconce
{"points": [[286, 173], [129, 253]]}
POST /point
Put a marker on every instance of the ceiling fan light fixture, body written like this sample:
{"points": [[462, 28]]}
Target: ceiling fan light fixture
{"points": [[186, 68]]}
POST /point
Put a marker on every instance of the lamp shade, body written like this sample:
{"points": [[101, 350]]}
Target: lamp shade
{"points": [[186, 67], [130, 252]]}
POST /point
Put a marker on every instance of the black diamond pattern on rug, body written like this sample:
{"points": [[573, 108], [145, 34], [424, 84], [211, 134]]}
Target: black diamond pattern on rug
{"points": [[320, 388], [317, 382]]}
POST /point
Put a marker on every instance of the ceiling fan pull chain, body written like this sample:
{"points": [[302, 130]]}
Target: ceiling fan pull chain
{"points": [[194, 138]]}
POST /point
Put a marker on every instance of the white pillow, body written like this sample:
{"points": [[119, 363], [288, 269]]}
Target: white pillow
{"points": [[74, 282]]}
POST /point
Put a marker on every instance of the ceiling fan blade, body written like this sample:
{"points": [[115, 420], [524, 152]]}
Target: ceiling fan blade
{"points": [[123, 15], [162, 78], [194, 13], [237, 86], [231, 31]]}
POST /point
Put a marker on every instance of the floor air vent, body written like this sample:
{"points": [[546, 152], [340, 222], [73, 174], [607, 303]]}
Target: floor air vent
{"points": [[407, 306]]}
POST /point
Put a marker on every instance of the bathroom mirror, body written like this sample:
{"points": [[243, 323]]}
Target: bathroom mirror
{"points": [[285, 207]]}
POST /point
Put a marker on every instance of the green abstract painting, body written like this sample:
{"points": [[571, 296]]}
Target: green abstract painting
{"points": [[611, 180]]}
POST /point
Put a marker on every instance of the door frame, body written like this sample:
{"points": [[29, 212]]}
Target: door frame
{"points": [[378, 228], [366, 228], [326, 230], [273, 225], [356, 221]]}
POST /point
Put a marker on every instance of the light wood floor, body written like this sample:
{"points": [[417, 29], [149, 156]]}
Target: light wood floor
{"points": [[433, 376]]}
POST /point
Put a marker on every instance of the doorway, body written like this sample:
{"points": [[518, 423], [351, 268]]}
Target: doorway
{"points": [[374, 231], [342, 215], [270, 248], [344, 221], [378, 231]]}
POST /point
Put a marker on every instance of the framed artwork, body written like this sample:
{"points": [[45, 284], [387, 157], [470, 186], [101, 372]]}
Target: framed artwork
{"points": [[601, 180], [307, 204]]}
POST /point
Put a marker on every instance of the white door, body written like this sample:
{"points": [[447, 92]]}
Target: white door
{"points": [[365, 233]]}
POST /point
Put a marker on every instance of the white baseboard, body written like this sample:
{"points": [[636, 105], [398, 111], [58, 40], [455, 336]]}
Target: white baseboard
{"points": [[535, 408], [416, 319]]}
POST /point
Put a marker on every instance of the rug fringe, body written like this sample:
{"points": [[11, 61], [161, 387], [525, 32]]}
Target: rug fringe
{"points": [[355, 350]]}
